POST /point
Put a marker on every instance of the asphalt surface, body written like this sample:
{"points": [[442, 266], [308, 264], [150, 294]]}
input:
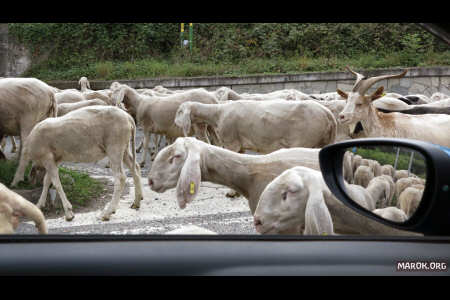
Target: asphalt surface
{"points": [[158, 214]]}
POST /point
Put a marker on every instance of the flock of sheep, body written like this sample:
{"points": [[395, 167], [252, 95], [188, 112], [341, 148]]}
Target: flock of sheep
{"points": [[207, 133]]}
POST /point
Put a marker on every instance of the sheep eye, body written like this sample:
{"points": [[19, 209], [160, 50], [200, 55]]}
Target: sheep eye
{"points": [[284, 195]]}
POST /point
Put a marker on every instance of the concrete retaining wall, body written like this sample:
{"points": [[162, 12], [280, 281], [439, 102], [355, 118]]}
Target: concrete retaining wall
{"points": [[417, 81]]}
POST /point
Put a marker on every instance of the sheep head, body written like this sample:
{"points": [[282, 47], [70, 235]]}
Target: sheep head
{"points": [[177, 165], [358, 103], [293, 199]]}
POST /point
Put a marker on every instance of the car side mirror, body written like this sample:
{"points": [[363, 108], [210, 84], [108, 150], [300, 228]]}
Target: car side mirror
{"points": [[403, 183]]}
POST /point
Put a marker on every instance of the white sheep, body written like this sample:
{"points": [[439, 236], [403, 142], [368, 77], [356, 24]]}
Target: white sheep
{"points": [[360, 195], [347, 166], [23, 103], [388, 170], [299, 197], [13, 206], [69, 96], [156, 115], [68, 107], [382, 190], [262, 126], [188, 161], [391, 213], [327, 96], [363, 175], [409, 200], [403, 183], [84, 135], [389, 103]]}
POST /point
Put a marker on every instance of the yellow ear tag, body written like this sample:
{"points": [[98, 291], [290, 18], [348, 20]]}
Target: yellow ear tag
{"points": [[384, 94], [192, 186]]}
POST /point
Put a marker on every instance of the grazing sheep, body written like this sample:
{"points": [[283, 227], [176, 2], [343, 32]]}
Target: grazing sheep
{"points": [[348, 166], [299, 197], [359, 108], [23, 103], [382, 189], [418, 99], [156, 115], [400, 174], [343, 131], [421, 110], [225, 93], [89, 94], [68, 107], [262, 126], [288, 94], [360, 195], [409, 200], [327, 96], [84, 84], [403, 183], [84, 135], [391, 213], [388, 170], [188, 161], [374, 166], [12, 207], [69, 96], [363, 175], [388, 103], [356, 161]]}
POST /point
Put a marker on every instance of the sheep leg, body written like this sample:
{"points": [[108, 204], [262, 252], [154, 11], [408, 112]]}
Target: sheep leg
{"points": [[14, 146], [52, 171], [2, 146], [140, 147], [157, 146], [147, 137], [43, 198], [135, 171], [2, 143], [119, 184]]}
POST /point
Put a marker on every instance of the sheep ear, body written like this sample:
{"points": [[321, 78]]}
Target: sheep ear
{"points": [[120, 96], [377, 94], [342, 93], [189, 181], [317, 217], [186, 121], [88, 85]]}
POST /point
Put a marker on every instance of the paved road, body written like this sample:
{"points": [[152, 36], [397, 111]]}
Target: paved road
{"points": [[159, 213]]}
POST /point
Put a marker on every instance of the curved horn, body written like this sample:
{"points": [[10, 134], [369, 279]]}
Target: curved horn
{"points": [[359, 77], [367, 83]]}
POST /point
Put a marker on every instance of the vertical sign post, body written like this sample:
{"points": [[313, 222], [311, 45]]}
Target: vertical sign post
{"points": [[182, 34], [190, 37]]}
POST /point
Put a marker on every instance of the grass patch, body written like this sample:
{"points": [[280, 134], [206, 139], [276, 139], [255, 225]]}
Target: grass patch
{"points": [[189, 66], [78, 186]]}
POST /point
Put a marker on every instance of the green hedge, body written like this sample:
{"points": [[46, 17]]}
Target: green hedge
{"points": [[84, 43]]}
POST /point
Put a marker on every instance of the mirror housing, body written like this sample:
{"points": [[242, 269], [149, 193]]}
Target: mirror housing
{"points": [[432, 217]]}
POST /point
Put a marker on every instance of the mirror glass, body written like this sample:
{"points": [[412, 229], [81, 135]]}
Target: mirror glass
{"points": [[386, 180]]}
